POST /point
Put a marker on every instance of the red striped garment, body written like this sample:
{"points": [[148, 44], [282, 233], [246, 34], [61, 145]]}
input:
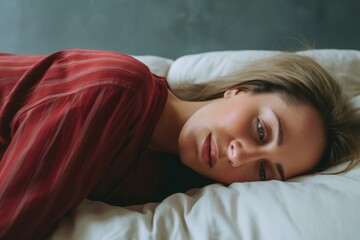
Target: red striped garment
{"points": [[73, 125]]}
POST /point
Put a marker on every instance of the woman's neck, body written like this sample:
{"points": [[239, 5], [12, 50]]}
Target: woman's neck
{"points": [[167, 130]]}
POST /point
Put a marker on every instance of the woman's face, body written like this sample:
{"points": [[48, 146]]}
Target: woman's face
{"points": [[252, 137]]}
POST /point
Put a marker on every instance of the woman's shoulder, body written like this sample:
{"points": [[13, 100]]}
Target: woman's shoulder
{"points": [[103, 67]]}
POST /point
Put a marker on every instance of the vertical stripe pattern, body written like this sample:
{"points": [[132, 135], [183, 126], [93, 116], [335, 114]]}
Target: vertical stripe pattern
{"points": [[73, 125]]}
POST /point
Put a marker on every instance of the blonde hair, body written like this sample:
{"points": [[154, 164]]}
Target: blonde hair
{"points": [[299, 80]]}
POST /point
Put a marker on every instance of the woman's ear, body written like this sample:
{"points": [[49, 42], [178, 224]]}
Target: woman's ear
{"points": [[230, 93], [234, 91]]}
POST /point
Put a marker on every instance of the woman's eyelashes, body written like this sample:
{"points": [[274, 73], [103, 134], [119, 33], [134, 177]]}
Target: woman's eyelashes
{"points": [[261, 131], [262, 171]]}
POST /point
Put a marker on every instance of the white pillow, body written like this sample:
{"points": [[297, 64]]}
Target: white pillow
{"points": [[158, 65], [203, 67]]}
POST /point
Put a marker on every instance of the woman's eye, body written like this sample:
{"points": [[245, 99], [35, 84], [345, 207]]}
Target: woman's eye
{"points": [[262, 172], [261, 131]]}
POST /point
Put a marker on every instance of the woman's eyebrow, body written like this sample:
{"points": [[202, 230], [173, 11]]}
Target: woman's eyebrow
{"points": [[280, 169], [279, 135], [279, 141]]}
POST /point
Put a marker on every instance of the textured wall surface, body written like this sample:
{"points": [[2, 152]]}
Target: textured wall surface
{"points": [[172, 28]]}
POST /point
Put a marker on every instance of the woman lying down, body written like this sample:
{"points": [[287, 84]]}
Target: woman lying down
{"points": [[99, 125]]}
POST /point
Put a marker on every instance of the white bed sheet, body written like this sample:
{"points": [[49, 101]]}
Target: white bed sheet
{"points": [[309, 207]]}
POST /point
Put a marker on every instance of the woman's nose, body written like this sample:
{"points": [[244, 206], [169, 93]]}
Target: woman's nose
{"points": [[238, 153]]}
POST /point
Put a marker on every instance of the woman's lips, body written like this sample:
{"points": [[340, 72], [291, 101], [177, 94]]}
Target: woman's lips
{"points": [[205, 156], [213, 152], [209, 152]]}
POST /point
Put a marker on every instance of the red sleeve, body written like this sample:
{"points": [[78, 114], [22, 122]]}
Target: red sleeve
{"points": [[60, 148]]}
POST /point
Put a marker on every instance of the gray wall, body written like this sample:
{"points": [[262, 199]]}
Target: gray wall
{"points": [[172, 28]]}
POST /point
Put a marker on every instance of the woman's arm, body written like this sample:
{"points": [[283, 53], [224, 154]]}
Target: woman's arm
{"points": [[56, 156]]}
